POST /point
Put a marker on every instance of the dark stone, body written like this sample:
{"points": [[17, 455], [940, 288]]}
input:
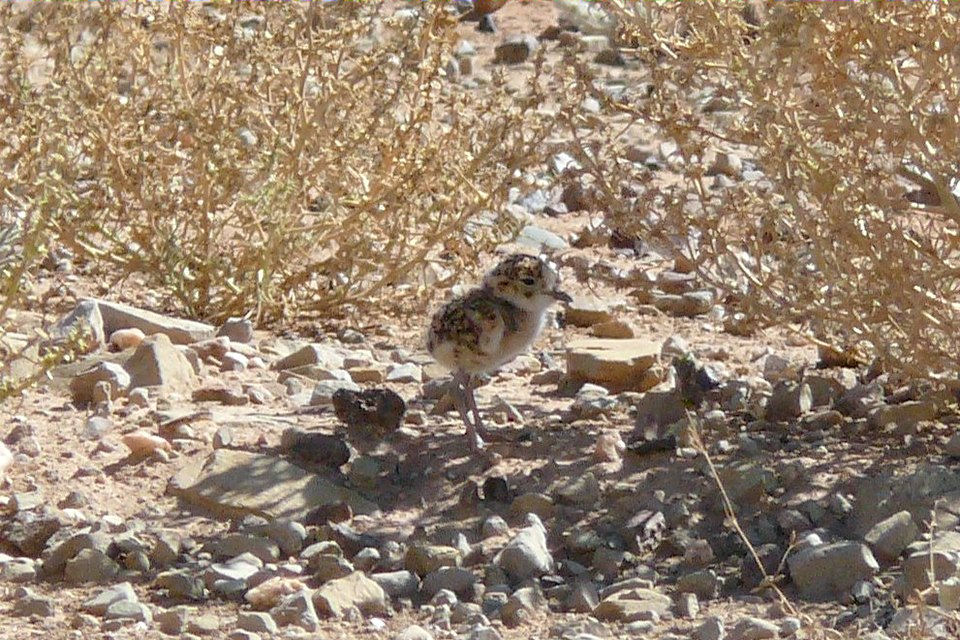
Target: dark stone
{"points": [[315, 448], [496, 489], [486, 24], [327, 513], [27, 532], [373, 412]]}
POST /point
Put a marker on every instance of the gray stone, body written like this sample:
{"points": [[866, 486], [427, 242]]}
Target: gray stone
{"points": [[516, 49], [127, 610], [99, 603], [324, 391], [831, 570], [712, 629], [235, 483], [890, 537], [297, 609], [256, 622], [181, 585], [121, 316], [942, 555], [458, 580], [172, 621], [540, 239], [17, 570], [237, 329], [526, 555], [705, 584], [90, 565], [583, 597], [398, 584], [30, 604], [240, 568], [406, 372], [82, 385], [687, 605], [788, 400], [87, 320], [749, 628], [905, 415], [521, 604], [235, 544], [582, 490]]}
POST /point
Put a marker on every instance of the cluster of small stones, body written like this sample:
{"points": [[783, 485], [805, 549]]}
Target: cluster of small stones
{"points": [[656, 565]]}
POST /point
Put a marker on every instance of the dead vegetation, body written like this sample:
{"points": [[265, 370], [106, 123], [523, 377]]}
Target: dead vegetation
{"points": [[848, 228], [300, 161]]}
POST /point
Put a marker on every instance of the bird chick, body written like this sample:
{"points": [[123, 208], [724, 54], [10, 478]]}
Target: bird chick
{"points": [[491, 325]]}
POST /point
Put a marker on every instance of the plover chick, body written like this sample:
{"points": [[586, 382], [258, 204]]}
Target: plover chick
{"points": [[491, 325]]}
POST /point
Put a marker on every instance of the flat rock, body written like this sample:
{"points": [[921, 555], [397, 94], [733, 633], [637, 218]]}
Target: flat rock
{"points": [[121, 316], [749, 628], [586, 311], [311, 354], [99, 603], [618, 365], [354, 590], [633, 604], [235, 483], [157, 363]]}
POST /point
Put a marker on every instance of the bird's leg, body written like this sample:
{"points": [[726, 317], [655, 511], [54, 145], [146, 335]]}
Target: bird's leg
{"points": [[461, 392], [472, 403]]}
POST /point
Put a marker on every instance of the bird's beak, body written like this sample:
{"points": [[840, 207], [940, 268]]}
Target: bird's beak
{"points": [[561, 296]]}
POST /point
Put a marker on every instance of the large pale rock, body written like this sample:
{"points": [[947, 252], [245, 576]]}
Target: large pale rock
{"points": [[156, 362], [831, 570], [526, 555], [122, 316], [618, 365], [354, 590], [235, 483]]}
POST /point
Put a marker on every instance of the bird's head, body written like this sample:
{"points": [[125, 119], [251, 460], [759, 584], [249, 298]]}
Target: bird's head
{"points": [[526, 281]]}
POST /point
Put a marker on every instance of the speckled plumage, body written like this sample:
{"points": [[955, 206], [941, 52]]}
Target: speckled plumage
{"points": [[493, 323]]}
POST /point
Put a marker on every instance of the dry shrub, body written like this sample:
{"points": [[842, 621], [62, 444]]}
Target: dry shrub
{"points": [[850, 111], [296, 159]]}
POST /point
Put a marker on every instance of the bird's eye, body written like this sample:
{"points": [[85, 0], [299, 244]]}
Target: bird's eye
{"points": [[529, 281]]}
